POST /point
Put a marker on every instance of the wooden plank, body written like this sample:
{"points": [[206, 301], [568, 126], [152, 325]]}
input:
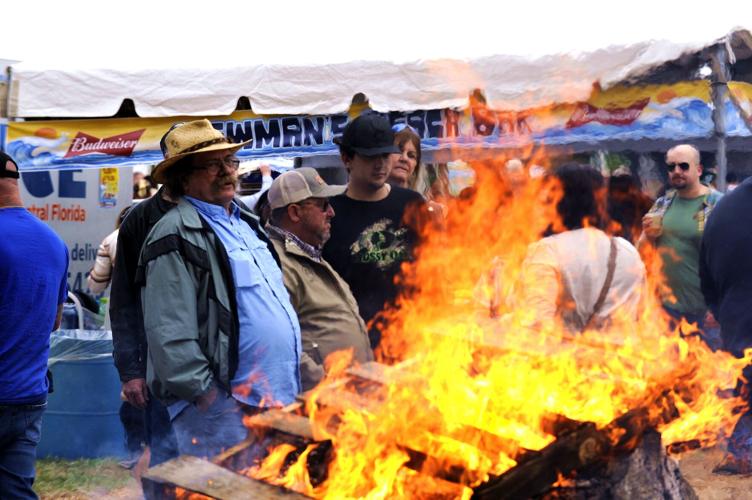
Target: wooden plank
{"points": [[283, 421], [336, 385], [372, 371], [201, 476], [237, 453], [340, 398], [380, 373], [487, 441]]}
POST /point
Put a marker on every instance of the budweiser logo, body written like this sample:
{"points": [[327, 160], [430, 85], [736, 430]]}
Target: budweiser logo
{"points": [[586, 113], [117, 145]]}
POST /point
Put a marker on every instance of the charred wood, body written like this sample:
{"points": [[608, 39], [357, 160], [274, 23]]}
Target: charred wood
{"points": [[568, 453], [576, 450], [647, 472]]}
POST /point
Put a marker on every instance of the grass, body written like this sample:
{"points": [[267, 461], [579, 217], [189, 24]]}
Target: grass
{"points": [[79, 479]]}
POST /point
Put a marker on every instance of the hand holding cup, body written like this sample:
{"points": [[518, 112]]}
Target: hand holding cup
{"points": [[652, 225]]}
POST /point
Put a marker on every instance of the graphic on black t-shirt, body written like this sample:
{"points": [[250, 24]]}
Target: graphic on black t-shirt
{"points": [[381, 244]]}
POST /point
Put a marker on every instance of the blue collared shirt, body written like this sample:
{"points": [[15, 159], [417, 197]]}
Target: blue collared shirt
{"points": [[269, 347]]}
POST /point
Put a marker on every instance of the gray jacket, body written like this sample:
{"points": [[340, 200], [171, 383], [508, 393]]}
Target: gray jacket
{"points": [[188, 299]]}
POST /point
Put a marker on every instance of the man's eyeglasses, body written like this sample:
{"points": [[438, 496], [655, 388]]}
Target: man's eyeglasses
{"points": [[399, 127], [322, 204], [683, 165], [215, 166]]}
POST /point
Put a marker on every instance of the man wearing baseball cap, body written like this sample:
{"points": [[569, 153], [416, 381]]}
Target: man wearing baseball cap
{"points": [[33, 287], [371, 236], [328, 313], [223, 338]]}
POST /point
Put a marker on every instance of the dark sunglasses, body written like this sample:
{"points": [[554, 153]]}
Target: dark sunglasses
{"points": [[683, 165], [323, 205]]}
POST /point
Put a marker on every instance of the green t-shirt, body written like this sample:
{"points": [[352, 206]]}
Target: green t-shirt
{"points": [[679, 247]]}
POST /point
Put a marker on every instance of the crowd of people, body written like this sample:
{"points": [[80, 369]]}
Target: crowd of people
{"points": [[219, 310]]}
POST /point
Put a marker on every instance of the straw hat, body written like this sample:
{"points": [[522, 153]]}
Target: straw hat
{"points": [[191, 138]]}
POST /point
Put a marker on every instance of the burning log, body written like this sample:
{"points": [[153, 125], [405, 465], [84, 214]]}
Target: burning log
{"points": [[271, 428], [576, 450], [645, 473], [538, 472]]}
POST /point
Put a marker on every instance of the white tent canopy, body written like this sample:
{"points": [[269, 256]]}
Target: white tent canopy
{"points": [[509, 82]]}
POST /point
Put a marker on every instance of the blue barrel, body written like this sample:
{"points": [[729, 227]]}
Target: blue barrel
{"points": [[82, 418]]}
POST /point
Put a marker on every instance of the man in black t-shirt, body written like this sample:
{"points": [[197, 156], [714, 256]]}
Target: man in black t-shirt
{"points": [[370, 237]]}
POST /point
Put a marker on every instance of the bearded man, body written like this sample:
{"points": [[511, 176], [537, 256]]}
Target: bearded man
{"points": [[223, 338]]}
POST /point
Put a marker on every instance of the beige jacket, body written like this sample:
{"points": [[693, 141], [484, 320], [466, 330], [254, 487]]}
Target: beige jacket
{"points": [[327, 311]]}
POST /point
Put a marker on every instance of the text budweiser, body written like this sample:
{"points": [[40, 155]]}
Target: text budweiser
{"points": [[118, 145]]}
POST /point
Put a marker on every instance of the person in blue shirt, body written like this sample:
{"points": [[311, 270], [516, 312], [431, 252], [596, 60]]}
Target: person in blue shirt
{"points": [[223, 338], [33, 287], [726, 280]]}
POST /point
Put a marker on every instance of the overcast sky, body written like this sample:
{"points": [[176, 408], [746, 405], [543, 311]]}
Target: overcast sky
{"points": [[168, 33]]}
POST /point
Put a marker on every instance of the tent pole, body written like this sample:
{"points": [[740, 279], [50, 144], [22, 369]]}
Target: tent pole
{"points": [[8, 92], [719, 92]]}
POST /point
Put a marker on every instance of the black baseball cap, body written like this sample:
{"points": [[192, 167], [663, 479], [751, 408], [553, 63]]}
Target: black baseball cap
{"points": [[4, 158], [370, 134]]}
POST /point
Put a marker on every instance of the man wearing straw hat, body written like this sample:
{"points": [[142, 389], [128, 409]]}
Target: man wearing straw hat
{"points": [[223, 338]]}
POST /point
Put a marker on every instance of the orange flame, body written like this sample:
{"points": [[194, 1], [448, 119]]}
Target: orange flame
{"points": [[478, 387], [295, 478], [183, 494]]}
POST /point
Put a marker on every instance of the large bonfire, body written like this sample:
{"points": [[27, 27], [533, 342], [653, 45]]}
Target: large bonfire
{"points": [[478, 376]]}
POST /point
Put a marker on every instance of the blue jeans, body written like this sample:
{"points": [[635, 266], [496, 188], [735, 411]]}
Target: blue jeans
{"points": [[159, 433], [133, 422], [206, 434], [161, 440], [20, 431]]}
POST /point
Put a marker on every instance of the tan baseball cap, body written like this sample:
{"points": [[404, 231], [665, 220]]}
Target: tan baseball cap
{"points": [[300, 184]]}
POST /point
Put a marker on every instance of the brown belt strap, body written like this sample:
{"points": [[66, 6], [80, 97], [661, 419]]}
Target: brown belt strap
{"points": [[606, 284]]}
